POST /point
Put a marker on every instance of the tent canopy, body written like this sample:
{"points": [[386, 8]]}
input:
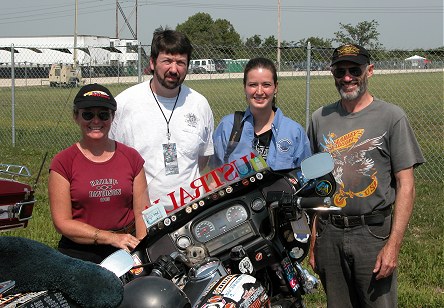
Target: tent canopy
{"points": [[415, 58]]}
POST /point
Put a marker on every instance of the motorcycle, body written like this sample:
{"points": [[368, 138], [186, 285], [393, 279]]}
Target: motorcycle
{"points": [[235, 237]]}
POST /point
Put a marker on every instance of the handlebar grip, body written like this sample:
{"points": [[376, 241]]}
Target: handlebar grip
{"points": [[313, 202]]}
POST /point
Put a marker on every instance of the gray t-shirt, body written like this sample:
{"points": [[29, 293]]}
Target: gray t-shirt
{"points": [[368, 147]]}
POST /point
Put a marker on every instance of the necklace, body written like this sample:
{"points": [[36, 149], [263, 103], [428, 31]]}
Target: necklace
{"points": [[169, 119]]}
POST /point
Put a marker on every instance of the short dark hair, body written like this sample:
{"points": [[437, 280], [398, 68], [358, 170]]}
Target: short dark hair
{"points": [[260, 62], [170, 41]]}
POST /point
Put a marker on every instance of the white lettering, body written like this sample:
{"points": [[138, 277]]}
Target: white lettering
{"points": [[103, 182], [105, 193]]}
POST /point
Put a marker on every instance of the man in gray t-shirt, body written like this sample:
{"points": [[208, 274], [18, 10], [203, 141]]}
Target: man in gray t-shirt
{"points": [[375, 151]]}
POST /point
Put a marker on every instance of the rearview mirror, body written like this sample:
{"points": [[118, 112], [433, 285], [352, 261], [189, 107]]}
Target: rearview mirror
{"points": [[317, 165]]}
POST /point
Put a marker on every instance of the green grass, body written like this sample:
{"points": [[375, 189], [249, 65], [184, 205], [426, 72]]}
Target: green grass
{"points": [[44, 125]]}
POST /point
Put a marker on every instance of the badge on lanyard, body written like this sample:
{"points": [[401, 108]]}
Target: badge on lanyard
{"points": [[170, 158]]}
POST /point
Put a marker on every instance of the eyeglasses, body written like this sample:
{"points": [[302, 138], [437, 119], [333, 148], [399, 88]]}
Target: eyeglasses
{"points": [[355, 71], [102, 115]]}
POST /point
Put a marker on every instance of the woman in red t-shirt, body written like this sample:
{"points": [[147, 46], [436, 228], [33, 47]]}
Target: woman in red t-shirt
{"points": [[97, 187]]}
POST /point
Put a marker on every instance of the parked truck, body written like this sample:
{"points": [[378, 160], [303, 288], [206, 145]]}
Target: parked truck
{"points": [[65, 75]]}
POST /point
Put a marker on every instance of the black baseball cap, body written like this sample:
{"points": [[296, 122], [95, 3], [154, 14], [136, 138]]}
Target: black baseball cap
{"points": [[95, 95], [351, 52]]}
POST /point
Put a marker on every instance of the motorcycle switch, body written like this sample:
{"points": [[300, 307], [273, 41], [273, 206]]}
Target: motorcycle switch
{"points": [[166, 267]]}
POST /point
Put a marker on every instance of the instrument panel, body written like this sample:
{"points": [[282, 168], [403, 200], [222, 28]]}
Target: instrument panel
{"points": [[220, 222]]}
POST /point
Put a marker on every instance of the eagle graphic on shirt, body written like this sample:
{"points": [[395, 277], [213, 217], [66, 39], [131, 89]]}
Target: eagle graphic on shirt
{"points": [[354, 170]]}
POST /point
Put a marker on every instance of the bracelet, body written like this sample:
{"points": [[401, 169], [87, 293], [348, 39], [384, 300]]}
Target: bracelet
{"points": [[96, 236]]}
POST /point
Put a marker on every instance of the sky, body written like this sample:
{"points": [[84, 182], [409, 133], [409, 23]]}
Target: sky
{"points": [[403, 24]]}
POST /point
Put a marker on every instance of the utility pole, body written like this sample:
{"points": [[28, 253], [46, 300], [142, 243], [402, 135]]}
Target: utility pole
{"points": [[136, 18], [75, 35], [279, 37], [117, 19], [119, 8]]}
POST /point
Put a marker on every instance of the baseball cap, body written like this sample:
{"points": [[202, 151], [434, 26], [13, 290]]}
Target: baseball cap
{"points": [[95, 95], [350, 52]]}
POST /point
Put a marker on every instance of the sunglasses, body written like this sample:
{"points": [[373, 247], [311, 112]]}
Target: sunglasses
{"points": [[102, 115], [355, 71]]}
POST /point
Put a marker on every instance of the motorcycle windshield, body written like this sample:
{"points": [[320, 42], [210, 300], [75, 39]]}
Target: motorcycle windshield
{"points": [[244, 161]]}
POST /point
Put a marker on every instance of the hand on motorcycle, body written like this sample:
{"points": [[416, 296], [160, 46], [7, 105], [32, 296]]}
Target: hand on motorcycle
{"points": [[124, 241]]}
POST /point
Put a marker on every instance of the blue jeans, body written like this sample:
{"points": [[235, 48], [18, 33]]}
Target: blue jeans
{"points": [[345, 258]]}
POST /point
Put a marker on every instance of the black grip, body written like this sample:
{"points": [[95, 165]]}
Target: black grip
{"points": [[312, 202]]}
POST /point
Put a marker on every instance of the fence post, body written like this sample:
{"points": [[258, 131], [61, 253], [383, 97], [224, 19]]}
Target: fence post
{"points": [[118, 69], [13, 95], [307, 88], [26, 74], [90, 68], [139, 63]]}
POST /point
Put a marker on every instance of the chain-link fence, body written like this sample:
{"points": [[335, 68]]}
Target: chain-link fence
{"points": [[38, 88]]}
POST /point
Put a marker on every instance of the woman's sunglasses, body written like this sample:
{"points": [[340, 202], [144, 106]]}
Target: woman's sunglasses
{"points": [[102, 115], [355, 71]]}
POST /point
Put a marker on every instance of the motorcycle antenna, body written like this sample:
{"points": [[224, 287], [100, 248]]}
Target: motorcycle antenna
{"points": [[40, 169]]}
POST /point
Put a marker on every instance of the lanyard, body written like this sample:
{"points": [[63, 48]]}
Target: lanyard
{"points": [[166, 120]]}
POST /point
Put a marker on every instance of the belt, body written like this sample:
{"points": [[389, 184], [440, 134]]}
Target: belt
{"points": [[374, 218], [128, 229]]}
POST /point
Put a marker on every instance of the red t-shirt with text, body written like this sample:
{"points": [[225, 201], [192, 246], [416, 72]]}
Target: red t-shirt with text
{"points": [[101, 193]]}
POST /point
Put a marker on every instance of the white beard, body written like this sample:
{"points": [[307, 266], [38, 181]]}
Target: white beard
{"points": [[350, 96]]}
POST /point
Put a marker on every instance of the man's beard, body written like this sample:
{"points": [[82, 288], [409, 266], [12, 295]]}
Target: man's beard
{"points": [[350, 96], [167, 84]]}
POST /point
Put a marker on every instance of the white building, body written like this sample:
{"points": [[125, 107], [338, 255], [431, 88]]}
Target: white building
{"points": [[91, 50]]}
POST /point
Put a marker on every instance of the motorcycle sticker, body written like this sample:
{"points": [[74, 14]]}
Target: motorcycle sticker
{"points": [[245, 266], [301, 229], [137, 261], [323, 188], [153, 214]]}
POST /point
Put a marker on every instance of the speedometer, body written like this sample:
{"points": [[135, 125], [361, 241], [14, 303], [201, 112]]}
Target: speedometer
{"points": [[204, 230], [236, 214]]}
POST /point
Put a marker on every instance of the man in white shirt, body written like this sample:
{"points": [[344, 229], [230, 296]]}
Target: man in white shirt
{"points": [[170, 124]]}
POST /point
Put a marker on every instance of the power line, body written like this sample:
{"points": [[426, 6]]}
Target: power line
{"points": [[50, 12], [301, 8], [47, 8], [57, 12]]}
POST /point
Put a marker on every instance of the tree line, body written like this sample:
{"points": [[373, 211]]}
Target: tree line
{"points": [[226, 43]]}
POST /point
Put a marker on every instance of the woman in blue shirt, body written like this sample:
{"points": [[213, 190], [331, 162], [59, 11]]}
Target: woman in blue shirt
{"points": [[281, 141]]}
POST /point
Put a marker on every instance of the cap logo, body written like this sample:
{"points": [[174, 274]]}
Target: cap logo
{"points": [[348, 50], [97, 94]]}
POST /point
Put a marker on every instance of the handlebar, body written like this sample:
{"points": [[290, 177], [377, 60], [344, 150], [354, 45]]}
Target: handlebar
{"points": [[291, 202], [312, 202]]}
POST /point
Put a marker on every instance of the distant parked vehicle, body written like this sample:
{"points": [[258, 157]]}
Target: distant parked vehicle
{"points": [[202, 66], [220, 65], [65, 75]]}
